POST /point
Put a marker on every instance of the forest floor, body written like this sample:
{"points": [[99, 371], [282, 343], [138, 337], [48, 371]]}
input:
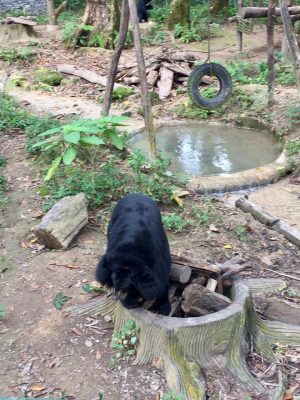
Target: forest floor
{"points": [[45, 352]]}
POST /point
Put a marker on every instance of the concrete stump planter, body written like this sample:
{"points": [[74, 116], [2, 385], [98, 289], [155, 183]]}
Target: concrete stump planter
{"points": [[185, 347]]}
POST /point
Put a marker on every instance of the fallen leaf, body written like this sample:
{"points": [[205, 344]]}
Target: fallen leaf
{"points": [[71, 266], [228, 246], [177, 200], [289, 394], [55, 363], [36, 388]]}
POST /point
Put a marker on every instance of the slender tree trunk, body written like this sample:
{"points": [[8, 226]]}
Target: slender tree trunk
{"points": [[239, 32]]}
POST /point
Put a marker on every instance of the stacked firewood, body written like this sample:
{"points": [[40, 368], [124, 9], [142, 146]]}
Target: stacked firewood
{"points": [[164, 71]]}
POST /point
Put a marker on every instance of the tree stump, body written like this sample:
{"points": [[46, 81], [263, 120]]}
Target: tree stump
{"points": [[185, 347]]}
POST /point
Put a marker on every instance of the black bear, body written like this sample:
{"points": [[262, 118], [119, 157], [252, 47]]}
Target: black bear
{"points": [[142, 9], [137, 260]]}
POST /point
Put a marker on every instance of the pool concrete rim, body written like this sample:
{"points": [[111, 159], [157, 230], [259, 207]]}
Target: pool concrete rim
{"points": [[259, 176]]}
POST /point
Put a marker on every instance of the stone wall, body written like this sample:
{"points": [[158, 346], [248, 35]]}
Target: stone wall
{"points": [[31, 7]]}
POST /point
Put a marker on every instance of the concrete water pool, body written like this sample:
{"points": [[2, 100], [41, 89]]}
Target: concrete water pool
{"points": [[205, 150]]}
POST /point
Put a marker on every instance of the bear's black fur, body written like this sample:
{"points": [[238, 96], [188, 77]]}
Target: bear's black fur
{"points": [[142, 9], [137, 260]]}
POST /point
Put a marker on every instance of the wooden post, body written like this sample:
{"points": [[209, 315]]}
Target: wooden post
{"points": [[239, 33], [291, 38], [270, 39], [148, 116], [112, 72]]}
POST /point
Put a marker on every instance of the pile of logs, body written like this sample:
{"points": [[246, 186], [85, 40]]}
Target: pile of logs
{"points": [[163, 71], [197, 287]]}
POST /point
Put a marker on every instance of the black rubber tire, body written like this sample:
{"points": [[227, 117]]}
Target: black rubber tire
{"points": [[212, 69]]}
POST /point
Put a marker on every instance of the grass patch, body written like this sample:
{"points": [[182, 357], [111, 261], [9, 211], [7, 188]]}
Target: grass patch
{"points": [[14, 55], [3, 184]]}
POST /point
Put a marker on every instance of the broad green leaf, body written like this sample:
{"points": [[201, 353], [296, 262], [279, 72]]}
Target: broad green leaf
{"points": [[113, 119], [92, 140], [72, 137], [69, 155], [50, 146], [42, 142], [53, 168], [117, 141], [50, 131]]}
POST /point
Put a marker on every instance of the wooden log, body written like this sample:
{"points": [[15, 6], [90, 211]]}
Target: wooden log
{"points": [[198, 300], [177, 68], [152, 77], [180, 273], [15, 20], [131, 80], [165, 83], [259, 12], [202, 265], [86, 74], [62, 223], [290, 233]]}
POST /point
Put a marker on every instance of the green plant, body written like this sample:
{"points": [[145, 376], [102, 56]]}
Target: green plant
{"points": [[3, 185], [292, 113], [241, 233], [174, 222], [121, 93], [204, 215], [42, 19], [293, 147], [2, 311], [171, 396], [67, 140], [14, 55], [125, 341], [190, 110], [151, 177], [102, 184], [159, 15], [59, 300]]}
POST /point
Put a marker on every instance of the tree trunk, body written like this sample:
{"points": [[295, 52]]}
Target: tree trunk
{"points": [[185, 347], [104, 17], [51, 12], [179, 14]]}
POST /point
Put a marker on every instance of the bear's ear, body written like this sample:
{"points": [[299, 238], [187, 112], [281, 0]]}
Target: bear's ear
{"points": [[103, 274]]}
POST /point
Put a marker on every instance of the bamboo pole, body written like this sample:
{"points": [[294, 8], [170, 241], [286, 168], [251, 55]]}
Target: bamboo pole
{"points": [[270, 39], [112, 72], [149, 124], [291, 38]]}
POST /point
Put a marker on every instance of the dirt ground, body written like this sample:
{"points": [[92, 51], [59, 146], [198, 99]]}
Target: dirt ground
{"points": [[44, 352]]}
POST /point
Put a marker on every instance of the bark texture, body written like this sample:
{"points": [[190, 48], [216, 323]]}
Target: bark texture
{"points": [[179, 13], [104, 16]]}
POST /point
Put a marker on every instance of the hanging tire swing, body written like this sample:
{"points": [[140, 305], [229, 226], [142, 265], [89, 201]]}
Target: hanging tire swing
{"points": [[209, 97]]}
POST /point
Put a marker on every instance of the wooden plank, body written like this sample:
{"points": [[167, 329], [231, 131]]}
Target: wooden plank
{"points": [[165, 83]]}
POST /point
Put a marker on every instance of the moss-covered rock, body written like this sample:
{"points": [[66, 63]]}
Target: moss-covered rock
{"points": [[48, 77]]}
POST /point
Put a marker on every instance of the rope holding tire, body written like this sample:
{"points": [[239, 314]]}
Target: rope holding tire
{"points": [[213, 70]]}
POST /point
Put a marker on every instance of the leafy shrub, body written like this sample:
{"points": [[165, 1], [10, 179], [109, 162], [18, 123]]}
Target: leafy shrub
{"points": [[125, 341], [293, 147], [151, 177], [48, 76], [192, 111], [14, 55], [174, 222]]}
